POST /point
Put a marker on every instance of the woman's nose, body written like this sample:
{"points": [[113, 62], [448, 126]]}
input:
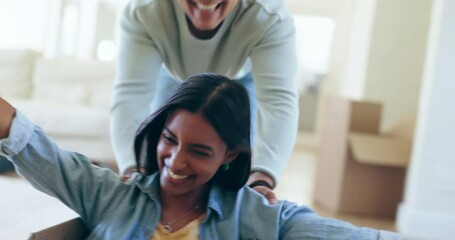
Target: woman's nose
{"points": [[177, 160]]}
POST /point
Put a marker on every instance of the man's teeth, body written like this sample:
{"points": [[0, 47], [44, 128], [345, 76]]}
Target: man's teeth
{"points": [[176, 176], [206, 7]]}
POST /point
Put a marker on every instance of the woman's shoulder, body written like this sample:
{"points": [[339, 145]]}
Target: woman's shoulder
{"points": [[252, 202], [256, 217]]}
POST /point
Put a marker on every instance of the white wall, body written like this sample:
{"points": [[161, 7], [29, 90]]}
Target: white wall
{"points": [[428, 210], [329, 8], [396, 57], [378, 55], [348, 58], [352, 83]]}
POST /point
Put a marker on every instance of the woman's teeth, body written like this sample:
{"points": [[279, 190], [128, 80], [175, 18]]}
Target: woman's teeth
{"points": [[206, 7], [176, 176]]}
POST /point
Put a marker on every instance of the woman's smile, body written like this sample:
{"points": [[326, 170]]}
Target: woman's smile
{"points": [[176, 176], [176, 179]]}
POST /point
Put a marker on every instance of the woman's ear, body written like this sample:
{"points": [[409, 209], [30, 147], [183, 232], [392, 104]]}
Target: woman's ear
{"points": [[231, 155]]}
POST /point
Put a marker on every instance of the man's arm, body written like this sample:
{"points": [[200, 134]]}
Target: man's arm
{"points": [[137, 68], [274, 66]]}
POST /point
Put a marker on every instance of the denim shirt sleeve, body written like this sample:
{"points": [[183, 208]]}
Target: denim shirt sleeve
{"points": [[65, 175], [301, 223]]}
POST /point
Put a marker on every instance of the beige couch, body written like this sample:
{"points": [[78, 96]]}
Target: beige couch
{"points": [[69, 99]]}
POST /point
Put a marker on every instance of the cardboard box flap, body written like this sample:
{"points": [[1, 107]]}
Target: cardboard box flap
{"points": [[380, 150], [73, 229]]}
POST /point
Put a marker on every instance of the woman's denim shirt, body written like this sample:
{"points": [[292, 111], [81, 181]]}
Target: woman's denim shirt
{"points": [[113, 209]]}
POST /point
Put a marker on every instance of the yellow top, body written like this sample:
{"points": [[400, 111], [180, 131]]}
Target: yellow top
{"points": [[190, 231]]}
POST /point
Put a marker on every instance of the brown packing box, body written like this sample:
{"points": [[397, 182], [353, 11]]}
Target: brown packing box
{"points": [[71, 230], [359, 169]]}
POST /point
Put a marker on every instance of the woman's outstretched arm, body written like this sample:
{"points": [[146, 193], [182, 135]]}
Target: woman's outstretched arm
{"points": [[7, 113], [90, 191]]}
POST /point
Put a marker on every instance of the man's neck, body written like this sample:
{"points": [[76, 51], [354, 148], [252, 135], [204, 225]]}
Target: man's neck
{"points": [[202, 34]]}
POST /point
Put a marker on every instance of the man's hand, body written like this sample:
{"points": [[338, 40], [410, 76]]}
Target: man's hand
{"points": [[268, 193], [264, 185], [7, 113]]}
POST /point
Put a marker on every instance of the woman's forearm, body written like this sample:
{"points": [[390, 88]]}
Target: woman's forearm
{"points": [[7, 113]]}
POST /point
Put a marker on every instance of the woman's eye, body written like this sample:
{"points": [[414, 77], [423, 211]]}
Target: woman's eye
{"points": [[201, 153], [168, 139]]}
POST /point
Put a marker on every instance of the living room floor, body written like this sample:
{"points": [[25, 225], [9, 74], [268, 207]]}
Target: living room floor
{"points": [[26, 210]]}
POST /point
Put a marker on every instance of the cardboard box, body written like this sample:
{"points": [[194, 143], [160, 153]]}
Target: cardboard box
{"points": [[359, 169], [71, 230]]}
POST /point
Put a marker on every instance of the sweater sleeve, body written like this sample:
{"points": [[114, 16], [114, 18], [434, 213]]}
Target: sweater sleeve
{"points": [[137, 69], [70, 177], [274, 66]]}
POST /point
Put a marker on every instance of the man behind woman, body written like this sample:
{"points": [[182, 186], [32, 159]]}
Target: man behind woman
{"points": [[163, 42]]}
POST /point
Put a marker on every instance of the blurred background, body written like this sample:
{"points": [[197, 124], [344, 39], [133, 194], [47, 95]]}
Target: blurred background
{"points": [[375, 77]]}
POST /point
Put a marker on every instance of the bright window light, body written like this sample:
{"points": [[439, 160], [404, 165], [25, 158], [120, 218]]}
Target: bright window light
{"points": [[69, 30], [314, 35], [105, 50]]}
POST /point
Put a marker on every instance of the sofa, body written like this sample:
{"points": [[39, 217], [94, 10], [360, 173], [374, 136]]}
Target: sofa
{"points": [[69, 99]]}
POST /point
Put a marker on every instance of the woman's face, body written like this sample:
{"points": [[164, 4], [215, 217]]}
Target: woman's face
{"points": [[189, 153], [207, 14]]}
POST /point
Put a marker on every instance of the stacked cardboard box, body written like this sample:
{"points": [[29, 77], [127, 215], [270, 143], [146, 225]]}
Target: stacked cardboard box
{"points": [[360, 170]]}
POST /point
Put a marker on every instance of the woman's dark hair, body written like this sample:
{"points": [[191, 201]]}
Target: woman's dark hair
{"points": [[224, 104]]}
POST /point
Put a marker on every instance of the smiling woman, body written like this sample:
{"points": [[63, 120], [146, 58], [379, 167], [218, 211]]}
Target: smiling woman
{"points": [[175, 128], [186, 189]]}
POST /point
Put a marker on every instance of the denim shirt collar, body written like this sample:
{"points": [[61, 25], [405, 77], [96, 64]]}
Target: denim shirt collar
{"points": [[150, 185]]}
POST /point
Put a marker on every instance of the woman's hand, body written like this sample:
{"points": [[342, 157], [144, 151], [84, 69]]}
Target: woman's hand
{"points": [[7, 113]]}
